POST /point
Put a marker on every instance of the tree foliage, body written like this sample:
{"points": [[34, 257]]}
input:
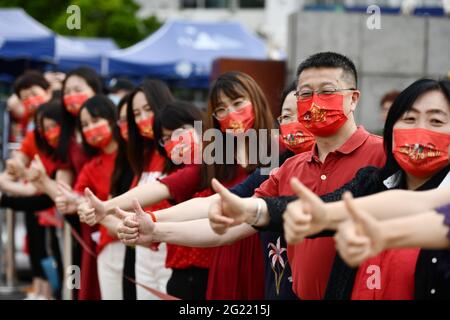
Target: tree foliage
{"points": [[100, 18]]}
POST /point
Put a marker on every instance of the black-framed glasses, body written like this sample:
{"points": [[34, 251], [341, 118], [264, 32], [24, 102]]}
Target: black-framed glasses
{"points": [[321, 93]]}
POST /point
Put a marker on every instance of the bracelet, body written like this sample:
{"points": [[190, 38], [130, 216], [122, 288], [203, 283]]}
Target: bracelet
{"points": [[258, 213], [152, 215]]}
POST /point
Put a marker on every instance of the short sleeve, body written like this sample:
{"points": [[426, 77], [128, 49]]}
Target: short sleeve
{"points": [[83, 180], [269, 188], [28, 146], [183, 183]]}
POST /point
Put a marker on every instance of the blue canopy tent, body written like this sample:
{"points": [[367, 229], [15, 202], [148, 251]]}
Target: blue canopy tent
{"points": [[24, 42], [72, 52], [183, 52]]}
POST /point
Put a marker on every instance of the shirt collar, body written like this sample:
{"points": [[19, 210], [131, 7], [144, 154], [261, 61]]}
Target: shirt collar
{"points": [[354, 142], [394, 180]]}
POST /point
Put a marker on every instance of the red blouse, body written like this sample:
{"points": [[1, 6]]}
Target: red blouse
{"points": [[237, 270], [181, 257], [96, 175]]}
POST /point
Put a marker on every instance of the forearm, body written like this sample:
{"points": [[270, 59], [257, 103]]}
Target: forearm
{"points": [[196, 208], [64, 175], [111, 223], [50, 187], [390, 204], [425, 230], [18, 189], [198, 233], [275, 207], [147, 194]]}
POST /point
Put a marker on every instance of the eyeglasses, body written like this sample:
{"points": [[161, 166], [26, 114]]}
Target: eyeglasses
{"points": [[286, 118], [321, 93], [221, 112], [176, 134]]}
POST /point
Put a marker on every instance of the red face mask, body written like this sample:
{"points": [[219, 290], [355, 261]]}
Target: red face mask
{"points": [[296, 138], [322, 117], [123, 126], [52, 136], [32, 103], [74, 102], [99, 136], [146, 127], [239, 121], [183, 150], [421, 152]]}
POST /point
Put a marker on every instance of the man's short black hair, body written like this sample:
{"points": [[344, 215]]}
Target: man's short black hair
{"points": [[331, 60], [28, 80], [117, 84]]}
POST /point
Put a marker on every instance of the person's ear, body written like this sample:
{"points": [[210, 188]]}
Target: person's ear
{"points": [[354, 99]]}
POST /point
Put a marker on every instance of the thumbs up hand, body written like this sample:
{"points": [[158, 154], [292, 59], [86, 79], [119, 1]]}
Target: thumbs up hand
{"points": [[136, 228], [94, 209], [66, 200], [229, 210], [360, 237], [305, 216]]}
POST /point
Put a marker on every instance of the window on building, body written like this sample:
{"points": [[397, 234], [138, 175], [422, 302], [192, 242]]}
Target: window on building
{"points": [[251, 3], [188, 4], [217, 3]]}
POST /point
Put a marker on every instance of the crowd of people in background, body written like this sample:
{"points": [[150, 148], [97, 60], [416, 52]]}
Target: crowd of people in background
{"points": [[347, 215]]}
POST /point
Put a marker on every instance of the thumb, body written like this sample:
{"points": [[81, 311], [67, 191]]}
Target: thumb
{"points": [[220, 189], [38, 160], [360, 217], [91, 197], [137, 208], [303, 192], [121, 214]]}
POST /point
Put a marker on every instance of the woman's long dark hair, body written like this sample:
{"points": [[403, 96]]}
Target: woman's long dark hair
{"points": [[99, 106], [68, 120], [139, 148], [122, 176], [173, 116], [402, 104], [50, 110]]}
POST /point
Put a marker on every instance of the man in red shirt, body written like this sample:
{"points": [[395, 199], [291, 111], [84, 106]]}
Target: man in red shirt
{"points": [[327, 98]]}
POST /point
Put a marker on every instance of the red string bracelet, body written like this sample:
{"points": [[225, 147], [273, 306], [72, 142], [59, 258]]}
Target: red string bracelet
{"points": [[152, 215]]}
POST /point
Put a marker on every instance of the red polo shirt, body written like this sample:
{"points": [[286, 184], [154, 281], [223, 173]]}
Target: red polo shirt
{"points": [[311, 260]]}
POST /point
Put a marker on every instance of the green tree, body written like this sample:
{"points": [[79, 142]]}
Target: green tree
{"points": [[100, 18]]}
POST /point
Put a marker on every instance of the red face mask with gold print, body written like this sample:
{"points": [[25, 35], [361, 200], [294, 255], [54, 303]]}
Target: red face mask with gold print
{"points": [[32, 103], [238, 121], [296, 138], [146, 127], [52, 136], [74, 102], [421, 152], [99, 136], [322, 117], [182, 151]]}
